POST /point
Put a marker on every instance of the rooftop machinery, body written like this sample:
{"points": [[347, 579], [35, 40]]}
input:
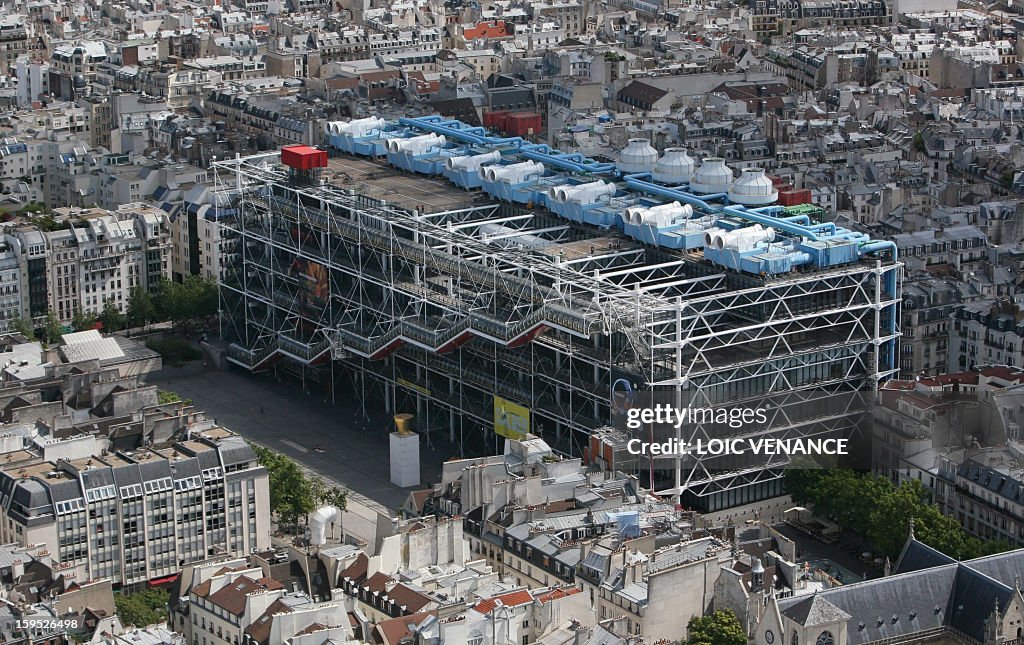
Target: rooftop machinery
{"points": [[667, 202], [448, 271]]}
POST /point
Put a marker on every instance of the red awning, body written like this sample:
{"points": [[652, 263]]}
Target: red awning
{"points": [[156, 582]]}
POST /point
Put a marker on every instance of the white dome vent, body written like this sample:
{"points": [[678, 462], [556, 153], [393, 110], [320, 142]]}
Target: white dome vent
{"points": [[674, 167], [753, 188], [639, 156], [713, 176]]}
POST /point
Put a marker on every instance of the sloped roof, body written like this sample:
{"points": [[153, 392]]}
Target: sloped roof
{"points": [[917, 600], [511, 599], [815, 610], [232, 597], [917, 556], [410, 599], [642, 93]]}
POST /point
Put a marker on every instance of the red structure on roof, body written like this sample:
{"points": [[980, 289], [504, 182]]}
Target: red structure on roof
{"points": [[303, 157]]}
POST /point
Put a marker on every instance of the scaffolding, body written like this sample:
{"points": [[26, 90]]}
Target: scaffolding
{"points": [[440, 311]]}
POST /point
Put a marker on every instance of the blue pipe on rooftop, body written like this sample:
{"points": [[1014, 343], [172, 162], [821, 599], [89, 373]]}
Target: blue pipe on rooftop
{"points": [[849, 235], [773, 222], [890, 286], [879, 246], [824, 226], [661, 191], [439, 128], [557, 160], [797, 219]]}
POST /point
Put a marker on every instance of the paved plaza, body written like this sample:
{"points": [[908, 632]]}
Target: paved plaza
{"points": [[280, 416]]}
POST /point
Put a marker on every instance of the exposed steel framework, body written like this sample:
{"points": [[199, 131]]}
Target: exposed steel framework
{"points": [[436, 312]]}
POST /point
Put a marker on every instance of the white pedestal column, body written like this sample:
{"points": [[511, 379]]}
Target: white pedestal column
{"points": [[405, 459]]}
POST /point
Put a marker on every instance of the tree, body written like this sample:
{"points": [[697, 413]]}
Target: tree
{"points": [[890, 521], [83, 320], [719, 628], [141, 310], [318, 491], [193, 299], [52, 329], [111, 317], [23, 327], [142, 609], [291, 495], [337, 497], [882, 512], [166, 396]]}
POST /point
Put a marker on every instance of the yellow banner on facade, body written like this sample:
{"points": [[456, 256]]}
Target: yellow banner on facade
{"points": [[511, 420]]}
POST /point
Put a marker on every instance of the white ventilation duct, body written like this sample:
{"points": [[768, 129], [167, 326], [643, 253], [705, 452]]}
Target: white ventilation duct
{"points": [[659, 216], [711, 237], [318, 522], [589, 193], [744, 239], [753, 188], [471, 162], [638, 156], [356, 127], [674, 167], [713, 176], [512, 174], [416, 145]]}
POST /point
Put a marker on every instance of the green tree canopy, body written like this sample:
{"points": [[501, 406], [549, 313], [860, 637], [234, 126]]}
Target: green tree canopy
{"points": [[141, 310], [24, 328], [291, 493], [142, 609], [719, 628], [192, 299], [881, 512], [83, 320], [111, 317], [52, 329]]}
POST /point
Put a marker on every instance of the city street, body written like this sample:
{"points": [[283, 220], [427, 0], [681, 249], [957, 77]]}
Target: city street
{"points": [[353, 451]]}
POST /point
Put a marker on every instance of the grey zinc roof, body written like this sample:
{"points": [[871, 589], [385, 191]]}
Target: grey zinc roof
{"points": [[8, 557], [975, 596], [596, 559], [570, 557], [31, 494], [96, 477], [186, 468], [1007, 567], [917, 556], [815, 610], [208, 459], [635, 592], [65, 489], [235, 451], [918, 601], [154, 469], [680, 553], [127, 475]]}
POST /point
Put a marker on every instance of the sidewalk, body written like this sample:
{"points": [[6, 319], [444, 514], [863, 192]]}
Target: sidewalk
{"points": [[282, 417]]}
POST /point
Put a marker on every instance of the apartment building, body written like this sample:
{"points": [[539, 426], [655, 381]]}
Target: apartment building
{"points": [[73, 66], [140, 515], [987, 332], [928, 304], [101, 257], [11, 294]]}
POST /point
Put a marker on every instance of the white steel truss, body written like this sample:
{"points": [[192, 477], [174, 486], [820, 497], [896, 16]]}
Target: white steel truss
{"points": [[438, 312]]}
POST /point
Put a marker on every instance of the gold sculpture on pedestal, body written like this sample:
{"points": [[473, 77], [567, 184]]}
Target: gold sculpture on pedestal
{"points": [[403, 422]]}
